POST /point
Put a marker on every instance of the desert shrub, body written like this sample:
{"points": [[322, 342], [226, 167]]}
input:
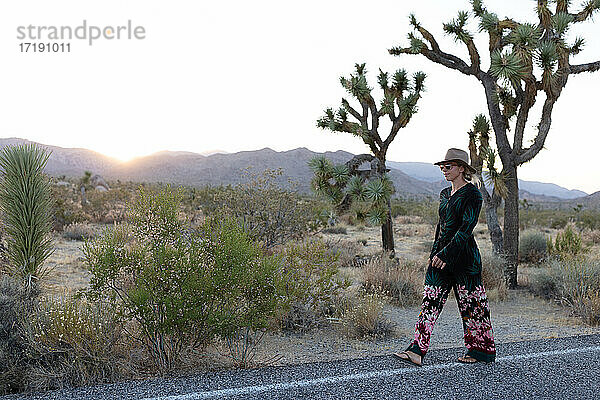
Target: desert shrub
{"points": [[67, 209], [411, 230], [392, 279], [567, 244], [26, 208], [559, 222], [592, 236], [427, 209], [182, 287], [78, 231], [107, 207], [532, 247], [15, 306], [73, 342], [573, 282], [589, 219], [311, 283], [492, 276], [337, 230], [346, 251], [364, 319], [272, 215]]}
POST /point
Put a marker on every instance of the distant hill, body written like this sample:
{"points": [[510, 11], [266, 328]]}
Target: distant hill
{"points": [[411, 179], [431, 173]]}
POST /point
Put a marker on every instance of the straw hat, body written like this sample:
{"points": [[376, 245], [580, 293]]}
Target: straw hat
{"points": [[454, 154]]}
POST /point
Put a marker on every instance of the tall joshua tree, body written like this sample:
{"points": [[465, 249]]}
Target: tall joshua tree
{"points": [[399, 104], [525, 59], [483, 159]]}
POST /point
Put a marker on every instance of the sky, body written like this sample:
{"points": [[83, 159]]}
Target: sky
{"points": [[244, 75]]}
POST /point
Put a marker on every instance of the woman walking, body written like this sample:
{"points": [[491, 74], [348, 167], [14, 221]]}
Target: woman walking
{"points": [[455, 263]]}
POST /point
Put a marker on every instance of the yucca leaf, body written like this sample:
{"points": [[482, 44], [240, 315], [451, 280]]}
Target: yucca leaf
{"points": [[506, 66], [561, 21], [547, 55], [377, 215], [400, 81], [416, 44], [27, 209], [382, 79], [488, 22], [419, 79], [340, 173], [356, 189]]}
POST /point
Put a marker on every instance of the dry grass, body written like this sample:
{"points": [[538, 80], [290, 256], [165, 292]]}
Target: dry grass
{"points": [[365, 318], [393, 279]]}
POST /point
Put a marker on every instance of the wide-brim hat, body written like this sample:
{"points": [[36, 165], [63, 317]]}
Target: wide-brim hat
{"points": [[459, 155]]}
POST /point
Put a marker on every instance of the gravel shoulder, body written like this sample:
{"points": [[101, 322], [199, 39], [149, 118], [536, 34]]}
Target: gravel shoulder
{"points": [[518, 318]]}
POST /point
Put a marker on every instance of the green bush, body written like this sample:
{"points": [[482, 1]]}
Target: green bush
{"points": [[271, 214], [309, 271], [567, 244], [182, 286], [532, 247]]}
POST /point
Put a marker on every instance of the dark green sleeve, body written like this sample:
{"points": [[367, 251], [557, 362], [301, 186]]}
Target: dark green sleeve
{"points": [[437, 234], [469, 221]]}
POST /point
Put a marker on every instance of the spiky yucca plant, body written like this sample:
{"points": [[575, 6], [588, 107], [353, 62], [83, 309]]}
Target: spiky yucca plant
{"points": [[26, 206]]}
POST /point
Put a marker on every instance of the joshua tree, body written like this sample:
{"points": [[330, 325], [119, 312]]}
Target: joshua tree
{"points": [[84, 183], [26, 206], [482, 155], [399, 104], [525, 59]]}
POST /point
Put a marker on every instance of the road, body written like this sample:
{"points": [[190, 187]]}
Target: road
{"points": [[565, 368]]}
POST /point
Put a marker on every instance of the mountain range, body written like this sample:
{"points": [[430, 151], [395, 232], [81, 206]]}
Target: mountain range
{"points": [[411, 179]]}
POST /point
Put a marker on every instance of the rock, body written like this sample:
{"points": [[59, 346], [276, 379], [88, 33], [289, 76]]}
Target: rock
{"points": [[98, 182]]}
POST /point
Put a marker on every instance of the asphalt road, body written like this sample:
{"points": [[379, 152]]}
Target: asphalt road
{"points": [[565, 368]]}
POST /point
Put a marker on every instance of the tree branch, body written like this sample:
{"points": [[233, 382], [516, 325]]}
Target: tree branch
{"points": [[496, 117], [540, 139], [588, 11], [589, 67], [523, 115], [435, 54]]}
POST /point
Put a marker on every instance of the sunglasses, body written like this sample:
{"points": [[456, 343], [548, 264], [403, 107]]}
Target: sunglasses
{"points": [[447, 167]]}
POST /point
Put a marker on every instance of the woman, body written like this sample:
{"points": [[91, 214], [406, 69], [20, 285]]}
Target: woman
{"points": [[455, 263]]}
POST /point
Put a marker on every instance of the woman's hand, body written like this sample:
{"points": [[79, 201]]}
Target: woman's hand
{"points": [[437, 263]]}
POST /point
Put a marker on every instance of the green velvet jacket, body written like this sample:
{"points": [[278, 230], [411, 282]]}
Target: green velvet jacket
{"points": [[454, 242]]}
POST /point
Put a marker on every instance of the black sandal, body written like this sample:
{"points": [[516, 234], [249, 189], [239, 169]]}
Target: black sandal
{"points": [[407, 360]]}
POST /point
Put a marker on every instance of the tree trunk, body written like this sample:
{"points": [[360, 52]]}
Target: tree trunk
{"points": [[83, 197], [511, 226], [491, 217], [387, 232], [491, 204]]}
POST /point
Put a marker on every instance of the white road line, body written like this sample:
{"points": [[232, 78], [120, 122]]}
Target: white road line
{"points": [[344, 378]]}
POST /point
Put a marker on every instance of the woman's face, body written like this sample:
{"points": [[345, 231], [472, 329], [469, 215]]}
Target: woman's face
{"points": [[451, 170]]}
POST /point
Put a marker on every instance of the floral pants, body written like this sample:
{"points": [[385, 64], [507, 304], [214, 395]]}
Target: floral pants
{"points": [[472, 304]]}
